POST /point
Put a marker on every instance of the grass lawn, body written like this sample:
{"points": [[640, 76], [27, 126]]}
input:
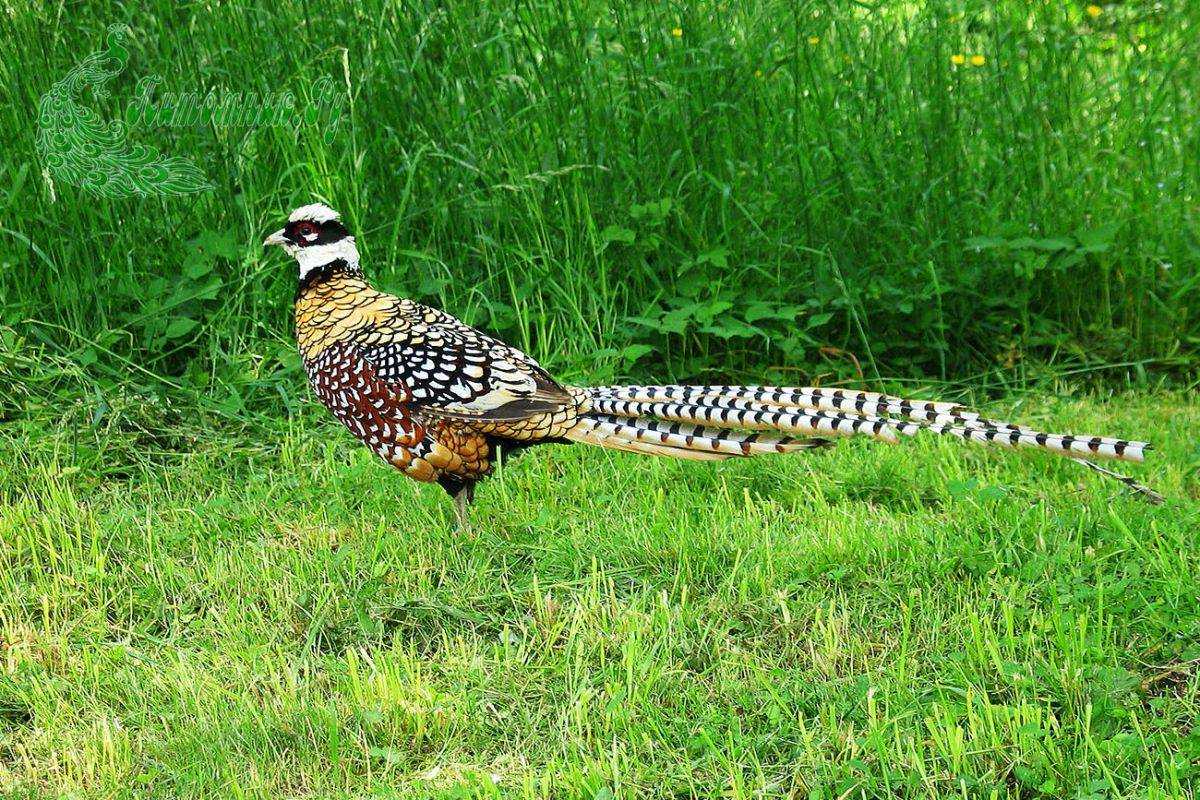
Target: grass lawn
{"points": [[207, 589], [277, 614]]}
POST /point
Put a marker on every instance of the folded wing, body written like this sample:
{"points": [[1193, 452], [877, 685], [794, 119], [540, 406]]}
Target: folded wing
{"points": [[454, 371]]}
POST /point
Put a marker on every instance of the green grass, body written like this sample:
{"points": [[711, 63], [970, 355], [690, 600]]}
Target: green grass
{"points": [[579, 179], [280, 615], [206, 589]]}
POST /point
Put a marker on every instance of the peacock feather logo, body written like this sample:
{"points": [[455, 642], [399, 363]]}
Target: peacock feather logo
{"points": [[77, 147]]}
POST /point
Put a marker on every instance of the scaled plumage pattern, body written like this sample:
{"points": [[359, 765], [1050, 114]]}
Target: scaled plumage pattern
{"points": [[436, 398]]}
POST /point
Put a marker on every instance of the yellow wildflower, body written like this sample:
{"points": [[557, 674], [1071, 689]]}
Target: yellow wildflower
{"points": [[978, 60], [814, 40], [677, 32], [958, 59], [1094, 11]]}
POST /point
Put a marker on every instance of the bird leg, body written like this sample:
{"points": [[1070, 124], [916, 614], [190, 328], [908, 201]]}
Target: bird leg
{"points": [[462, 505]]}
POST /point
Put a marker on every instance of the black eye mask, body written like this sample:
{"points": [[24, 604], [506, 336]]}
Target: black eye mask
{"points": [[328, 232]]}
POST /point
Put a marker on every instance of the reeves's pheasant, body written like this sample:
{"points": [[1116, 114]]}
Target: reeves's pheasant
{"points": [[435, 397]]}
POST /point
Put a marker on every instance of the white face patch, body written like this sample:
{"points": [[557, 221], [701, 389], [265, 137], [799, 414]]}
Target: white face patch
{"points": [[318, 255]]}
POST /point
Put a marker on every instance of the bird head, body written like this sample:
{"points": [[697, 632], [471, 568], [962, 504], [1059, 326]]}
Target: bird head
{"points": [[315, 236]]}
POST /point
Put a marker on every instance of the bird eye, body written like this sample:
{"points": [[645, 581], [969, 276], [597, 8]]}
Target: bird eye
{"points": [[306, 229]]}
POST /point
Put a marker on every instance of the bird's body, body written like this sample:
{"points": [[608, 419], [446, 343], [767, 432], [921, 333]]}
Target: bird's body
{"points": [[429, 394], [437, 398]]}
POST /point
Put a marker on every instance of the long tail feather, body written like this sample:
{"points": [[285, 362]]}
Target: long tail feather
{"points": [[1140, 489], [802, 421], [841, 412], [679, 439], [590, 431], [704, 422]]}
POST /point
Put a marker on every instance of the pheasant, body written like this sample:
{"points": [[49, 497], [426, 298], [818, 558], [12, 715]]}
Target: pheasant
{"points": [[437, 399]]}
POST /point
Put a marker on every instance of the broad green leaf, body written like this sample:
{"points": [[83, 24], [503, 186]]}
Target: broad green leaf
{"points": [[646, 322], [197, 267], [217, 243], [728, 328], [633, 352], [677, 321], [615, 233], [757, 311], [717, 257], [180, 327], [1099, 239], [707, 312], [1054, 243]]}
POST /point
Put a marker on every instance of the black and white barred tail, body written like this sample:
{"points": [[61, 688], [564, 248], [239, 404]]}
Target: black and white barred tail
{"points": [[710, 422], [681, 439]]}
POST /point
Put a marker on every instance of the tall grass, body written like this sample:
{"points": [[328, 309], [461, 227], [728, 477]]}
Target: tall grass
{"points": [[679, 190], [791, 190]]}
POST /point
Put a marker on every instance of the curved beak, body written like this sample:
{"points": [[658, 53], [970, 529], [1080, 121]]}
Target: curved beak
{"points": [[275, 238]]}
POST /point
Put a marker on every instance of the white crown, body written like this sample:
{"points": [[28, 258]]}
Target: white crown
{"points": [[317, 212]]}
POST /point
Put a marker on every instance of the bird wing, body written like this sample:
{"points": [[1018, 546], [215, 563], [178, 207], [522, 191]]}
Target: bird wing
{"points": [[453, 370]]}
